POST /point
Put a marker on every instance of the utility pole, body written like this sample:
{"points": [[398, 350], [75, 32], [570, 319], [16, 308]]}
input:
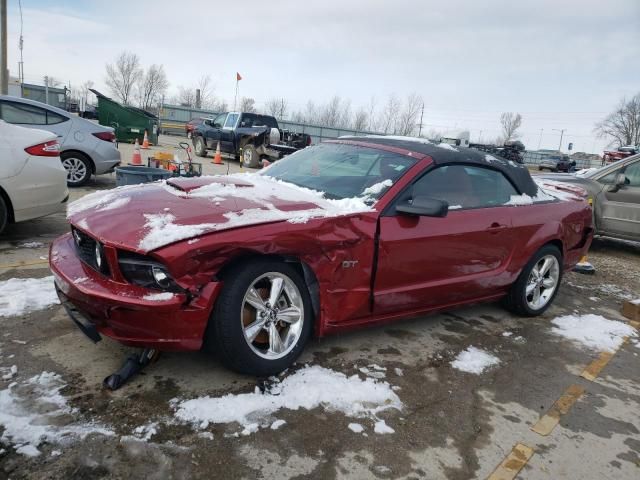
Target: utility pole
{"points": [[540, 141], [561, 135], [480, 136], [4, 72], [46, 89], [21, 47], [421, 117]]}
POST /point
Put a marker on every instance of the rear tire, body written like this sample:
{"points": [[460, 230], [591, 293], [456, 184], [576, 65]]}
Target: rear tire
{"points": [[4, 214], [199, 147], [250, 157], [78, 167], [521, 297], [243, 327]]}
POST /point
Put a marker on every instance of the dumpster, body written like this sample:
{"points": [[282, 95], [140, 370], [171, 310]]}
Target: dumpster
{"points": [[134, 175], [129, 123]]}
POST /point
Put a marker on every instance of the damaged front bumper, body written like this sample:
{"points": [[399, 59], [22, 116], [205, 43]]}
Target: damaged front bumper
{"points": [[98, 305]]}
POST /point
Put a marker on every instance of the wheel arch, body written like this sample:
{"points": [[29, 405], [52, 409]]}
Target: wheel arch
{"points": [[303, 268]]}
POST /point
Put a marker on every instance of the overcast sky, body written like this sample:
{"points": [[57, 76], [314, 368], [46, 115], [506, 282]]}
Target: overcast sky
{"points": [[562, 64]]}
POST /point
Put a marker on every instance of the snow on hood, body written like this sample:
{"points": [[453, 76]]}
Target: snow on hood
{"points": [[156, 214]]}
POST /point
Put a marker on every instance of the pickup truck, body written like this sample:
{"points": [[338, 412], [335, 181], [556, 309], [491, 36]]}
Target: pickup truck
{"points": [[251, 135]]}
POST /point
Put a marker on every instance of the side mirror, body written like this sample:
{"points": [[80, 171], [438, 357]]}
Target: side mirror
{"points": [[208, 122], [619, 182], [424, 206]]}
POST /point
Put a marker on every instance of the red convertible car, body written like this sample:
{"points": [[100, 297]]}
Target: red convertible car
{"points": [[352, 232]]}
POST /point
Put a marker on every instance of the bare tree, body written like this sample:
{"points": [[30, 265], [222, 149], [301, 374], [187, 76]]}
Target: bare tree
{"points": [[186, 97], [360, 120], [510, 123], [372, 114], [152, 85], [389, 115], [330, 113], [622, 126], [311, 113], [123, 75], [408, 116], [271, 106], [248, 105], [282, 109]]}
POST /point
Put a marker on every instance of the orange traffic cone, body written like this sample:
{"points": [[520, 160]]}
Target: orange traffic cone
{"points": [[137, 158], [145, 141], [217, 159]]}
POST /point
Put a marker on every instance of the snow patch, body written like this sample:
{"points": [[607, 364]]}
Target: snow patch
{"points": [[145, 432], [308, 388], [382, 428], [377, 188], [356, 428], [22, 295], [97, 200], [277, 424], [446, 146], [117, 203], [34, 411], [593, 331], [32, 245], [474, 360]]}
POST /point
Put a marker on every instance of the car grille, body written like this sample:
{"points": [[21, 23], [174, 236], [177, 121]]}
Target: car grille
{"points": [[86, 248]]}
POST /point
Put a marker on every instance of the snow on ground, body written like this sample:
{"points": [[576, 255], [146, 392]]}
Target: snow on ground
{"points": [[593, 331], [22, 295], [446, 146], [474, 360], [34, 411], [31, 245], [614, 290], [158, 297], [381, 427], [145, 432], [356, 428], [308, 388]]}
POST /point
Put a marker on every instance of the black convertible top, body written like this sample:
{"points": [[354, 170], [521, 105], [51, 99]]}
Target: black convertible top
{"points": [[443, 154]]}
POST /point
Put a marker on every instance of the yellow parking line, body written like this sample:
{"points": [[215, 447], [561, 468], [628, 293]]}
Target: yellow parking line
{"points": [[23, 264], [513, 463], [595, 367], [548, 421]]}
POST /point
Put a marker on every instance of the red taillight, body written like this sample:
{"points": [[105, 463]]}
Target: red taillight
{"points": [[106, 136], [46, 149]]}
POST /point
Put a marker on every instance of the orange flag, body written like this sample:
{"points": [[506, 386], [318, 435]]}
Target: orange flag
{"points": [[238, 77]]}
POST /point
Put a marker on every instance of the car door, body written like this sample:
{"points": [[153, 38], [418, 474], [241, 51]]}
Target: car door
{"points": [[619, 206], [32, 116], [427, 262], [212, 134], [227, 133]]}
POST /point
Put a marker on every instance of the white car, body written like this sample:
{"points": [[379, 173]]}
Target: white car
{"points": [[33, 181]]}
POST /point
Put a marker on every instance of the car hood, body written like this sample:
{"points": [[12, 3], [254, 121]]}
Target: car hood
{"points": [[150, 216]]}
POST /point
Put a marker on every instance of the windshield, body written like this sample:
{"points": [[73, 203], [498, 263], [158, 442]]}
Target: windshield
{"points": [[342, 171]]}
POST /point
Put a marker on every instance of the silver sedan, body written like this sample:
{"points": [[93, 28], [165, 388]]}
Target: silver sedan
{"points": [[87, 148]]}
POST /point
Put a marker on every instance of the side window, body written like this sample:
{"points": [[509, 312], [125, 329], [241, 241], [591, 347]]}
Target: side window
{"points": [[464, 186], [218, 122], [609, 178], [53, 118], [22, 113], [232, 118], [632, 172]]}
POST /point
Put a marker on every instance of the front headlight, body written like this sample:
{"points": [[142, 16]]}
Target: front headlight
{"points": [[144, 272]]}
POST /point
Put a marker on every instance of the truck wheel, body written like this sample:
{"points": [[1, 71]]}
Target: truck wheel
{"points": [[4, 214], [250, 157], [262, 319], [538, 283], [199, 147]]}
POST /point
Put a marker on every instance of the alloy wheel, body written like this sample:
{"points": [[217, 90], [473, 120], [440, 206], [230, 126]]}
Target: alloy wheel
{"points": [[76, 169], [272, 315], [542, 282]]}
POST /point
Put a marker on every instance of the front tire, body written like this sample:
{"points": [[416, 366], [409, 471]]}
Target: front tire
{"points": [[78, 167], [538, 283], [199, 147], [262, 319]]}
